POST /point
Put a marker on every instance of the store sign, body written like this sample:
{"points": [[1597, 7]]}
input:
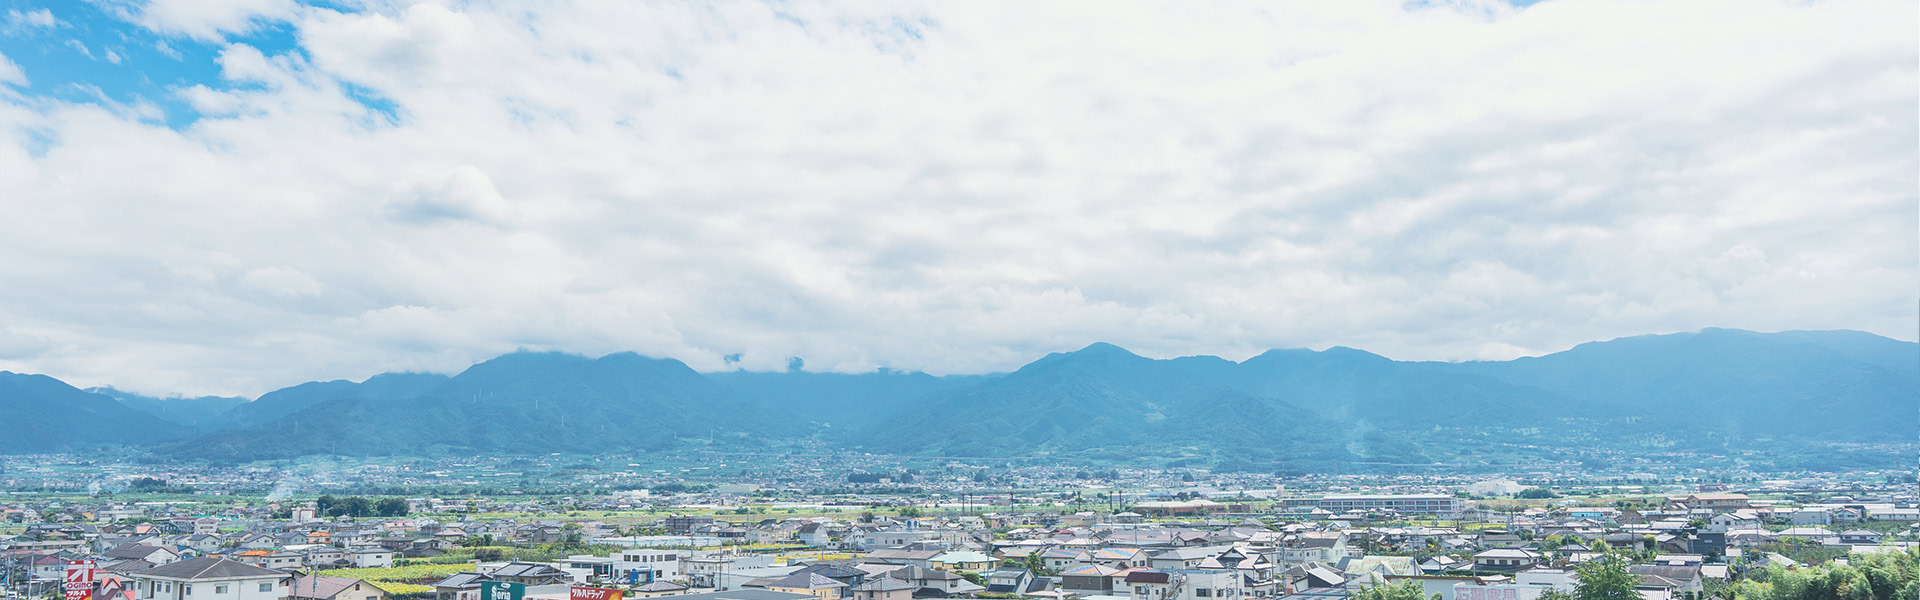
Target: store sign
{"points": [[79, 580], [500, 590], [590, 593]]}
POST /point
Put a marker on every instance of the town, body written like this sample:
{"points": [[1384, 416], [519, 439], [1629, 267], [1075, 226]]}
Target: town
{"points": [[1047, 533]]}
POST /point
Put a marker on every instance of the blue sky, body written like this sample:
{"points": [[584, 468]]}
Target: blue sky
{"points": [[231, 196], [93, 50]]}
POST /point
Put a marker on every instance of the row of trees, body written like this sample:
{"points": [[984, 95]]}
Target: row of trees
{"points": [[1884, 576], [355, 506]]}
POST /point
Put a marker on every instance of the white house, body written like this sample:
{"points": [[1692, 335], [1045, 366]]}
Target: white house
{"points": [[1186, 584], [371, 558], [1810, 516]]}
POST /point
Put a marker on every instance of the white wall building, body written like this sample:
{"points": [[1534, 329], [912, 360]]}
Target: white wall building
{"points": [[209, 579]]}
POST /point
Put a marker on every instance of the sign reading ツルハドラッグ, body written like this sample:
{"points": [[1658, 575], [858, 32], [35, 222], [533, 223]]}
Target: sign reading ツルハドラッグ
{"points": [[591, 593]]}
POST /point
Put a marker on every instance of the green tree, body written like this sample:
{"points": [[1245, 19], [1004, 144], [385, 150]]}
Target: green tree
{"points": [[350, 507], [391, 507], [1605, 578], [1037, 566], [1405, 590]]}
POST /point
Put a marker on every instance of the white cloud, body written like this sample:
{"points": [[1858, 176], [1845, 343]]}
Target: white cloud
{"points": [[11, 73], [211, 20], [962, 187], [21, 23], [281, 281], [15, 345]]}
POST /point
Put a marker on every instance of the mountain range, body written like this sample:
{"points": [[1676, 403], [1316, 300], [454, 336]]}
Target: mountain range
{"points": [[1788, 400]]}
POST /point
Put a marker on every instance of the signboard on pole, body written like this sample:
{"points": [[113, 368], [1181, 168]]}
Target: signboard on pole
{"points": [[501, 590], [593, 593], [79, 580]]}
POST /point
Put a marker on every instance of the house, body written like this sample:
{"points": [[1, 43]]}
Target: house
{"points": [[941, 583], [530, 574], [1811, 517], [1860, 537], [1505, 559], [459, 586], [333, 588], [1739, 519], [1372, 570], [883, 588], [1013, 581], [283, 559], [1088, 580], [1321, 547], [325, 557], [657, 588], [814, 534], [836, 571], [1679, 579], [1184, 584], [963, 560], [371, 558], [914, 558], [1183, 558], [209, 577], [1709, 501], [812, 584], [152, 554], [1118, 558]]}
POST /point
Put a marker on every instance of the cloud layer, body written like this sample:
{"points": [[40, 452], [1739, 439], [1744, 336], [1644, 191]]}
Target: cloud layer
{"points": [[960, 187]]}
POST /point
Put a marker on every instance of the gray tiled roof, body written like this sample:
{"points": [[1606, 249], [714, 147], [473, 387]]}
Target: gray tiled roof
{"points": [[210, 568]]}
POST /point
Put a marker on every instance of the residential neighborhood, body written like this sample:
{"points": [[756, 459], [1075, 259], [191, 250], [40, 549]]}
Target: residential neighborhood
{"points": [[1171, 546]]}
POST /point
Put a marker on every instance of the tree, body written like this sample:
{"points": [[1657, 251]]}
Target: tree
{"points": [[324, 504], [1036, 565], [354, 506], [1605, 578], [1538, 493], [1405, 590], [391, 507]]}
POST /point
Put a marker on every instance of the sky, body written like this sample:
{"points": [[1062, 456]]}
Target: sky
{"points": [[232, 196]]}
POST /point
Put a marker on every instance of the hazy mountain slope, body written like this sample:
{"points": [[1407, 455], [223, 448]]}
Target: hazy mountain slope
{"points": [[201, 413], [838, 400], [1738, 383], [1101, 400], [523, 403], [1808, 399], [1354, 385], [42, 414], [286, 401]]}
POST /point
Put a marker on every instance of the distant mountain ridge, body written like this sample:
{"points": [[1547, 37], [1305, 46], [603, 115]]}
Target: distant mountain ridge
{"points": [[44, 415], [1716, 391], [202, 413]]}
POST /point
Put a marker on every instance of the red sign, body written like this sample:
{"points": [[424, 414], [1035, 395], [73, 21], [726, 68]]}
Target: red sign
{"points": [[80, 571], [588, 593], [79, 580]]}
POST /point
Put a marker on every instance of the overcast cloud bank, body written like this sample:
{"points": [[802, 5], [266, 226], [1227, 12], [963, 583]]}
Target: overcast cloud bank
{"points": [[954, 187]]}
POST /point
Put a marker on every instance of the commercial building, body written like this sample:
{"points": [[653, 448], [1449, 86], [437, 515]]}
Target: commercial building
{"points": [[1414, 504]]}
